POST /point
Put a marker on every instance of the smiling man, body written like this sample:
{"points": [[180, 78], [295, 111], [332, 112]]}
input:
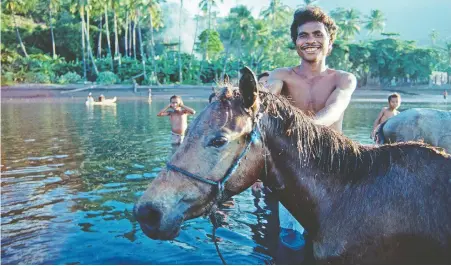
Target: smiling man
{"points": [[314, 88]]}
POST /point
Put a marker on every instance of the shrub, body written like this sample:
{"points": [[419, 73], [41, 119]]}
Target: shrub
{"points": [[69, 78], [7, 78], [37, 78], [107, 78]]}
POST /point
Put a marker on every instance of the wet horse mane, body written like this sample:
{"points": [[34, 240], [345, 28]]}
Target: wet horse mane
{"points": [[329, 150]]}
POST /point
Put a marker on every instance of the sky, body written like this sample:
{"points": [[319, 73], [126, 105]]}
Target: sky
{"points": [[413, 19]]}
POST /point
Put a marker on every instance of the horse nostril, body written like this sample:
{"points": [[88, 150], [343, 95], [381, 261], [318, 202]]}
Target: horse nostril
{"points": [[154, 218], [148, 214]]}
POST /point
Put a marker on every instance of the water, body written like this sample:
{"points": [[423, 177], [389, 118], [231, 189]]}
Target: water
{"points": [[71, 174]]}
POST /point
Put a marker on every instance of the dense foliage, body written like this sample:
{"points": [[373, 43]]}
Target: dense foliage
{"points": [[112, 41]]}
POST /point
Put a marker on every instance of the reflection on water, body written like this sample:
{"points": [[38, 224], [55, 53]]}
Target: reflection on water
{"points": [[71, 174]]}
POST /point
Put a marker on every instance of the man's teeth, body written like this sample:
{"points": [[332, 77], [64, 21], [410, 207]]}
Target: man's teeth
{"points": [[311, 49]]}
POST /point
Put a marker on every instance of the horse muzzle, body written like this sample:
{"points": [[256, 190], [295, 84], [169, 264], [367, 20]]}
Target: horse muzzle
{"points": [[157, 224]]}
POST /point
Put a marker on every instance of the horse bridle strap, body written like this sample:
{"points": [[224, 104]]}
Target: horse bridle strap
{"points": [[220, 184]]}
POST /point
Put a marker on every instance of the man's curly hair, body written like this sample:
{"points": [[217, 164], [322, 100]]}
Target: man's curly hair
{"points": [[309, 14]]}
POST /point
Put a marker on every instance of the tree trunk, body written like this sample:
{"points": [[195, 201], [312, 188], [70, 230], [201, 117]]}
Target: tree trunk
{"points": [[86, 25], [206, 43], [108, 37], [152, 50], [117, 56], [209, 28], [90, 50], [83, 41], [126, 33], [134, 38], [130, 38], [99, 43], [180, 43], [51, 32], [194, 43], [227, 54], [141, 48], [18, 35]]}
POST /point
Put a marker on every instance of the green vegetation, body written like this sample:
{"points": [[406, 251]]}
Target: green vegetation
{"points": [[112, 41]]}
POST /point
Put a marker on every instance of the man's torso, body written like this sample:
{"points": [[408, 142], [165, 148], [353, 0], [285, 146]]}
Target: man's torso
{"points": [[310, 94]]}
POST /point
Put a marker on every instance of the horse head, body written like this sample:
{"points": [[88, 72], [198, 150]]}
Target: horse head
{"points": [[221, 156]]}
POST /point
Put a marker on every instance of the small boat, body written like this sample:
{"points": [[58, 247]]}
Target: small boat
{"points": [[104, 102]]}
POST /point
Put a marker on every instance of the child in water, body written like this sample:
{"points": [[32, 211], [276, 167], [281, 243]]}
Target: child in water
{"points": [[178, 116], [394, 101]]}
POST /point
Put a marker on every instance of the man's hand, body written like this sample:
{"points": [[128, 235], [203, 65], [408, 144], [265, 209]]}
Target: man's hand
{"points": [[338, 101]]}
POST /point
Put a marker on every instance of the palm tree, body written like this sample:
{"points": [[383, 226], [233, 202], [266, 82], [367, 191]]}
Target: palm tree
{"points": [[141, 48], [308, 3], [82, 6], [206, 6], [154, 22], [78, 6], [126, 33], [276, 12], [17, 6], [434, 36], [108, 39], [375, 21], [53, 7], [180, 43], [117, 55], [348, 21]]}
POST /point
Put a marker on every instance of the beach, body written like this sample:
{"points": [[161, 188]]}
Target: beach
{"points": [[193, 93]]}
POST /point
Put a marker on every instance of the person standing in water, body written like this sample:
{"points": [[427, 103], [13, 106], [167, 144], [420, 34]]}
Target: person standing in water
{"points": [[149, 99], [178, 114], [394, 101], [314, 88], [90, 99]]}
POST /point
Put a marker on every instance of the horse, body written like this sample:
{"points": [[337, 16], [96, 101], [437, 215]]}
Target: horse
{"points": [[420, 124], [387, 204]]}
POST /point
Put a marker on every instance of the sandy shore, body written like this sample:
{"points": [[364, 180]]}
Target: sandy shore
{"points": [[420, 94]]}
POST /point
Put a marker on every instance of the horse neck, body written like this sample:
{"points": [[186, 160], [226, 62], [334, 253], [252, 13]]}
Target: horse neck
{"points": [[309, 172]]}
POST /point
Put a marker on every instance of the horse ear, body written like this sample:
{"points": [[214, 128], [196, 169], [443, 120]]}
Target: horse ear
{"points": [[226, 79], [249, 89]]}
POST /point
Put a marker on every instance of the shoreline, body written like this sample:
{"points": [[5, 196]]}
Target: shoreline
{"points": [[125, 92]]}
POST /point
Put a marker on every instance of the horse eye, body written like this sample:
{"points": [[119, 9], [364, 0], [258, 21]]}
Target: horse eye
{"points": [[218, 142]]}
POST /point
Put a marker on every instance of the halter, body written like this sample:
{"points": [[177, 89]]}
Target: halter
{"points": [[255, 135]]}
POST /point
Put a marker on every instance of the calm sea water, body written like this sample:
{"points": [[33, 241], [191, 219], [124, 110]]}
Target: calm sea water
{"points": [[71, 174]]}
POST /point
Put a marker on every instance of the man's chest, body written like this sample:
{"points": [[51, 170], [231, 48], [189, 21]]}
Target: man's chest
{"points": [[309, 94]]}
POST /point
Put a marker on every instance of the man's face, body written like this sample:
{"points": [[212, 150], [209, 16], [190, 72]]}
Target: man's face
{"points": [[312, 43], [175, 103], [263, 81], [394, 103]]}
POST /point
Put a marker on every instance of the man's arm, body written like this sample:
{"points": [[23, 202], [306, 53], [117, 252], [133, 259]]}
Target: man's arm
{"points": [[275, 82], [164, 111], [187, 110], [338, 101]]}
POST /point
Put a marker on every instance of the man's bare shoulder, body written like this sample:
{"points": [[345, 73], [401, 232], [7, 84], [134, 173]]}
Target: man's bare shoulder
{"points": [[280, 73], [344, 79]]}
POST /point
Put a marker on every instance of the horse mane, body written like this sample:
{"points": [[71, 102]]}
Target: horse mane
{"points": [[328, 149]]}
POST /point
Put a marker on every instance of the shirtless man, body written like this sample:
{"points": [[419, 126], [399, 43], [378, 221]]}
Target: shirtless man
{"points": [[314, 88], [394, 101], [178, 116]]}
